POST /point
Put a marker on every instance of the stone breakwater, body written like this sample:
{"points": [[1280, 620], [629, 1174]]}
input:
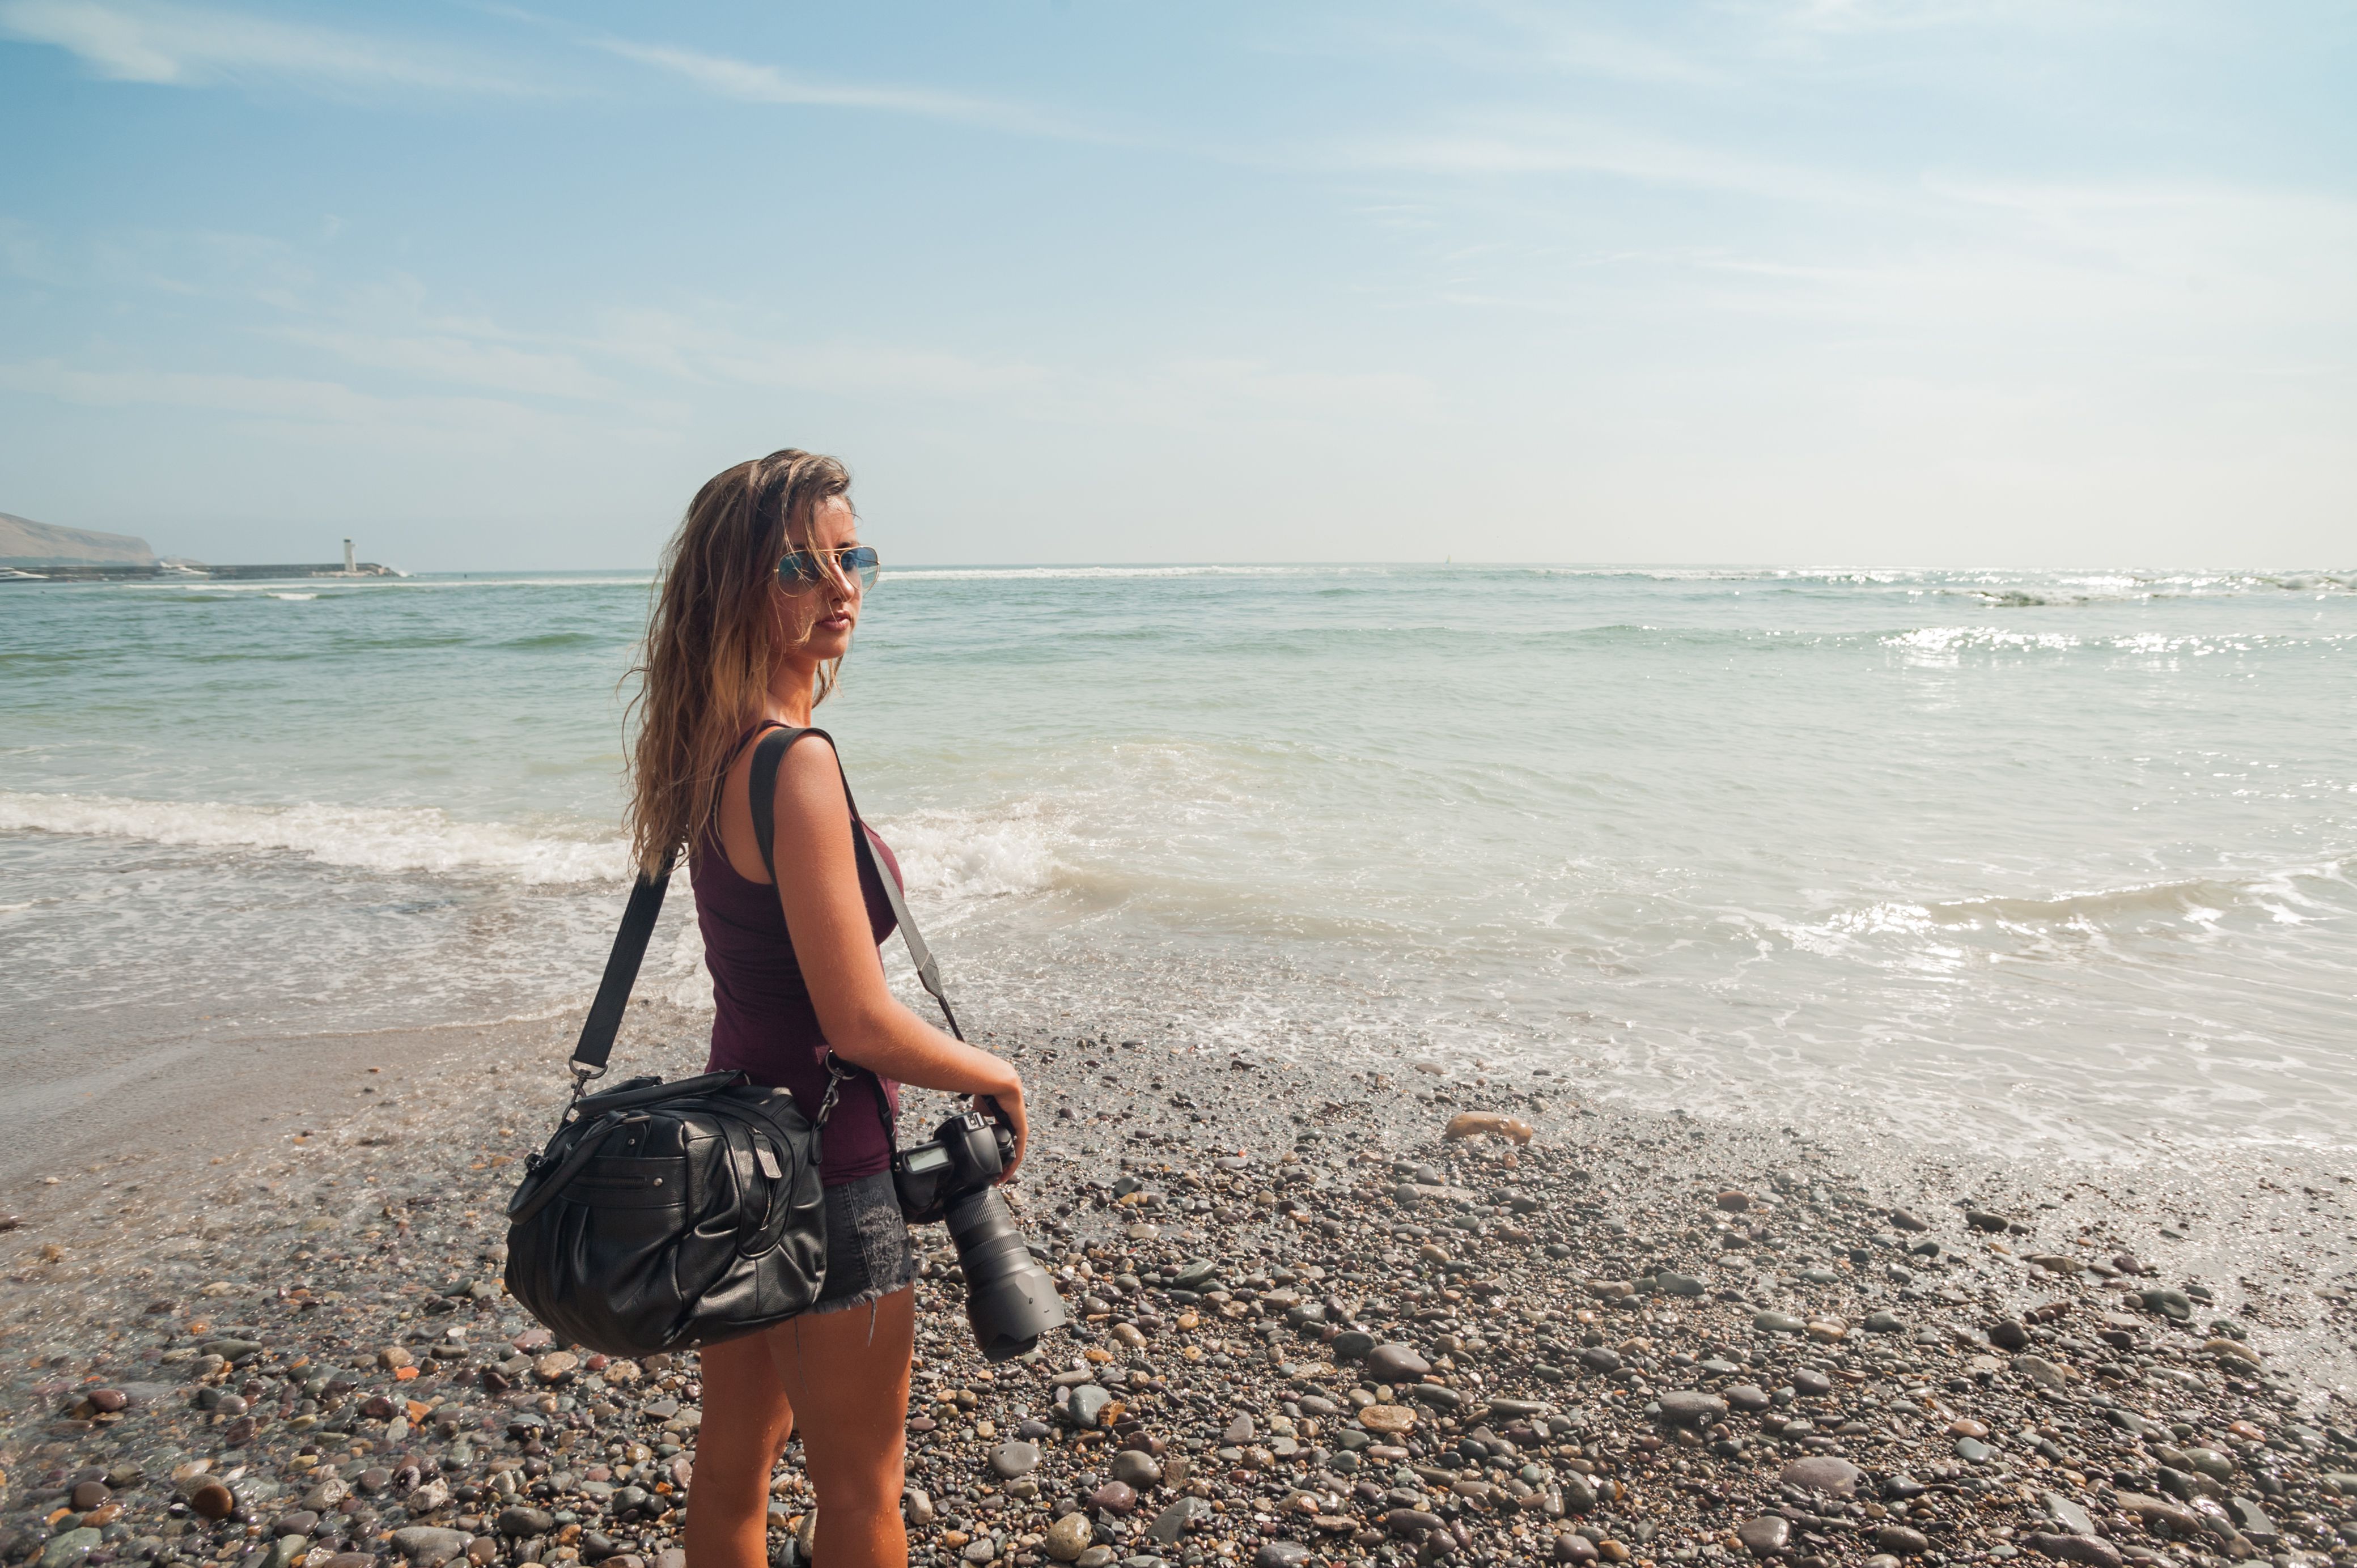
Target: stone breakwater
{"points": [[1310, 1328]]}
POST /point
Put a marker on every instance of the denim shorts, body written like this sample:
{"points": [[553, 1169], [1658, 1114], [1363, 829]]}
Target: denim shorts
{"points": [[868, 1252]]}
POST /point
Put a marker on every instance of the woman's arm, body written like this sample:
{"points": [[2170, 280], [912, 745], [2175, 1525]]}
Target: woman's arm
{"points": [[826, 917]]}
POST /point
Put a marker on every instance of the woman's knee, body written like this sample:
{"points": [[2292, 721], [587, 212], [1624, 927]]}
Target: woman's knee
{"points": [[856, 1472], [869, 1487]]}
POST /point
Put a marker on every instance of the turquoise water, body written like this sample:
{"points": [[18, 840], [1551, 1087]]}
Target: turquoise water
{"points": [[2034, 860]]}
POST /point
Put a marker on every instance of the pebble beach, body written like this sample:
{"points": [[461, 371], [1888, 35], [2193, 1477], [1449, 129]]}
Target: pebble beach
{"points": [[1372, 1312]]}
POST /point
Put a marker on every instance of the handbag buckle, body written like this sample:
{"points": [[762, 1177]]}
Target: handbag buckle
{"points": [[585, 1074]]}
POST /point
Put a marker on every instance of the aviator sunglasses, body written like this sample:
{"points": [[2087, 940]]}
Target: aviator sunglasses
{"points": [[802, 567]]}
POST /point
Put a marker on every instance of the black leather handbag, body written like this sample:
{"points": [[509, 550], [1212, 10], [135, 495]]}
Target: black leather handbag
{"points": [[663, 1216]]}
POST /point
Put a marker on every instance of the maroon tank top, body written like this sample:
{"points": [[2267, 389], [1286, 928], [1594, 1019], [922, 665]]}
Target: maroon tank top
{"points": [[763, 1025]]}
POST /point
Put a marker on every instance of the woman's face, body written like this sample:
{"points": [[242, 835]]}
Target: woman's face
{"points": [[830, 606]]}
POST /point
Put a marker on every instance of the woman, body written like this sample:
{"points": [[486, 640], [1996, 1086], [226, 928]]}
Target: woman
{"points": [[761, 589]]}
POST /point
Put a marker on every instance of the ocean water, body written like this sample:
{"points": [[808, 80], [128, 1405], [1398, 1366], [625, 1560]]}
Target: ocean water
{"points": [[2046, 862]]}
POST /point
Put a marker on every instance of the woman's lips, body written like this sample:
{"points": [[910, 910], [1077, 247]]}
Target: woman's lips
{"points": [[836, 623]]}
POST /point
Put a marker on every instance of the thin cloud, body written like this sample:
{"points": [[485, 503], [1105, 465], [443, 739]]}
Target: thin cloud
{"points": [[185, 45], [756, 83], [289, 399], [1551, 144], [463, 362]]}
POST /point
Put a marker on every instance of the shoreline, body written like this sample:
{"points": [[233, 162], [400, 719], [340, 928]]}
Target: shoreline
{"points": [[325, 1259]]}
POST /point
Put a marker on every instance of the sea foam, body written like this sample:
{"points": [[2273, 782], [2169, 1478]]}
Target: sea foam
{"points": [[370, 838]]}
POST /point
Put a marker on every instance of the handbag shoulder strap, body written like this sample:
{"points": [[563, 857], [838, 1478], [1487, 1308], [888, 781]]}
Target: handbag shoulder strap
{"points": [[613, 999], [763, 786], [597, 1030]]}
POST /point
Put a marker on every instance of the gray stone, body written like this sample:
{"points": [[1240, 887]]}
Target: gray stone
{"points": [[1692, 1408], [2173, 1305], [1396, 1364], [2181, 1520], [1100, 1557], [427, 1545], [1280, 1554], [1113, 1498], [981, 1549], [1747, 1396], [1239, 1432], [1884, 1323], [1901, 1540], [2092, 1551], [233, 1351], [1069, 1536], [2068, 1516], [2042, 1371], [1172, 1522], [1777, 1323], [2210, 1462], [70, 1548], [1821, 1473], [1681, 1284], [1579, 1494], [1134, 1467], [1088, 1403], [524, 1521], [1574, 1548], [1765, 1534], [2186, 1487], [1973, 1451], [2253, 1521], [1195, 1274], [1351, 1345], [1013, 1459]]}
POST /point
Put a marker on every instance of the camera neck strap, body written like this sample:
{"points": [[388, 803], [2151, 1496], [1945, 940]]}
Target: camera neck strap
{"points": [[605, 1020], [766, 758]]}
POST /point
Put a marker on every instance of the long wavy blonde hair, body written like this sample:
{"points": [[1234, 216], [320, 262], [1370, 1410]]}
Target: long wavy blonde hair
{"points": [[712, 638]]}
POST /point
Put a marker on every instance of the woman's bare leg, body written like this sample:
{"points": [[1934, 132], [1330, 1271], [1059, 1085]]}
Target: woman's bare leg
{"points": [[847, 1375], [747, 1420]]}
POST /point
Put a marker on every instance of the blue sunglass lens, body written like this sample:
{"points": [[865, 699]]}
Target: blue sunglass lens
{"points": [[800, 567]]}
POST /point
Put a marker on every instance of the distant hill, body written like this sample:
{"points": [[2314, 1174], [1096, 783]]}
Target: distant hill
{"points": [[25, 543]]}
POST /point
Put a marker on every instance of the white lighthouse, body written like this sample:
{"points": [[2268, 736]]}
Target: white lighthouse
{"points": [[351, 567]]}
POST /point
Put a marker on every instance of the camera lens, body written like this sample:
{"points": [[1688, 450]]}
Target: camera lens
{"points": [[1009, 1298]]}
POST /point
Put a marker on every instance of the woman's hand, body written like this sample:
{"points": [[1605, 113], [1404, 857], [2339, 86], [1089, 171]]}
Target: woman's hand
{"points": [[1009, 1103]]}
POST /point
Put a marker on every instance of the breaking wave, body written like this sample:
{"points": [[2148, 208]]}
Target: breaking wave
{"points": [[370, 838]]}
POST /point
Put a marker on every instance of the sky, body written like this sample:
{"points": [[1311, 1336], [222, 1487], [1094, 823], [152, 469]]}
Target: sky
{"points": [[1879, 281]]}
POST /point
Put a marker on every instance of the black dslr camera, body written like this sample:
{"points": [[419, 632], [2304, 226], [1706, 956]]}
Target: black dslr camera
{"points": [[1009, 1299]]}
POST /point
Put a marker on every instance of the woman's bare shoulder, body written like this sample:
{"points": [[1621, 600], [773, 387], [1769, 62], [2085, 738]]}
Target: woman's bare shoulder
{"points": [[810, 784]]}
